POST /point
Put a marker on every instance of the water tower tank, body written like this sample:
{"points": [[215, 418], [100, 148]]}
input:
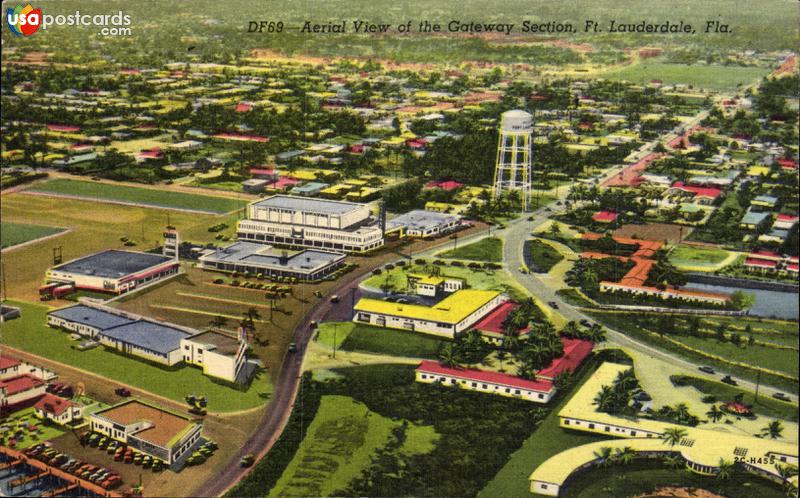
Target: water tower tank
{"points": [[517, 121]]}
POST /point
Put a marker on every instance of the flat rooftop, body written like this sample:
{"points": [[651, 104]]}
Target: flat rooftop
{"points": [[166, 425], [420, 219], [112, 263], [148, 335], [251, 253], [451, 310], [92, 317], [223, 343], [304, 204]]}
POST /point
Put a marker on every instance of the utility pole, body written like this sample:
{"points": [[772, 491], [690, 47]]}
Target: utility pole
{"points": [[352, 301], [335, 328], [758, 384]]}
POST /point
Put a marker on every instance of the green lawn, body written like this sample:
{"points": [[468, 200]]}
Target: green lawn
{"points": [[766, 405], [541, 256], [12, 234], [641, 478], [341, 442], [712, 77], [482, 279], [330, 332], [30, 333], [391, 341], [145, 196], [548, 440], [489, 249], [697, 255], [21, 419], [783, 360]]}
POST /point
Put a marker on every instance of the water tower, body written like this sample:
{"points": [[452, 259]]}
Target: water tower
{"points": [[513, 168]]}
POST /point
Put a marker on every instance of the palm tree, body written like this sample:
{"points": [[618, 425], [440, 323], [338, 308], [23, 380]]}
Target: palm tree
{"points": [[501, 356], [714, 414], [773, 430], [673, 435], [786, 472], [571, 329], [625, 455], [673, 461], [597, 333], [603, 398], [605, 455], [449, 356], [726, 469]]}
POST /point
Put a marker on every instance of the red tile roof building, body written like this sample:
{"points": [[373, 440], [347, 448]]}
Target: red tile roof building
{"points": [[539, 391]]}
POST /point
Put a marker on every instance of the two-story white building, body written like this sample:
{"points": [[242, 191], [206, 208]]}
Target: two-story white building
{"points": [[316, 223], [218, 354]]}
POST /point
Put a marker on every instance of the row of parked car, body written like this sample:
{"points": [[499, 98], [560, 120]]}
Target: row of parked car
{"points": [[103, 477], [121, 452], [60, 389]]}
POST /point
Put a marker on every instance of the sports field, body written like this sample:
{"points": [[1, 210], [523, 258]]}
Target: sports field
{"points": [[692, 258], [712, 77], [93, 227], [30, 334], [144, 196], [12, 234], [339, 444]]}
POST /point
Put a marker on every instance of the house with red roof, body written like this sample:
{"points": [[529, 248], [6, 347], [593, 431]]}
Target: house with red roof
{"points": [[787, 164], [538, 391], [445, 185], [605, 217], [491, 326], [57, 409], [700, 195], [18, 392], [149, 154], [785, 221], [575, 351], [12, 367]]}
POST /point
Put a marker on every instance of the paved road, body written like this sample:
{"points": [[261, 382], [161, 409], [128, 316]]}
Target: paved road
{"points": [[515, 236]]}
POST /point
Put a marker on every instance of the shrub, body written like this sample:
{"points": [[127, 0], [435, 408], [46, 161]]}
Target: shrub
{"points": [[235, 283], [219, 280], [389, 266], [456, 263], [401, 264], [376, 271], [709, 399], [420, 261], [439, 262]]}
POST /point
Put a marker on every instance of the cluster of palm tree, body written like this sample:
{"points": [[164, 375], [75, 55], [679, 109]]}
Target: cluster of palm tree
{"points": [[595, 333], [466, 348], [538, 350], [616, 398], [608, 456], [678, 414]]}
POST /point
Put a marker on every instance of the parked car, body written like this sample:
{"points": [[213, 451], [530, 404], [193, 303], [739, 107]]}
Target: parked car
{"points": [[247, 460], [122, 391], [553, 304], [781, 396], [292, 347], [335, 298], [728, 380], [706, 369]]}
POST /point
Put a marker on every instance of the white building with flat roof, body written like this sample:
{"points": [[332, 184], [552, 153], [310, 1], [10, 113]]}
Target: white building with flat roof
{"points": [[317, 223]]}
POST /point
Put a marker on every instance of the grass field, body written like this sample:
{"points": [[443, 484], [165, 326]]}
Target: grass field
{"points": [[475, 279], [765, 406], [30, 334], [146, 196], [392, 342], [713, 77], [548, 440], [783, 360], [541, 256], [94, 227], [642, 478], [488, 249], [339, 444], [12, 234], [694, 258]]}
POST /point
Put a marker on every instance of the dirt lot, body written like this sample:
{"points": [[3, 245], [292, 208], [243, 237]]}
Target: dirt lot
{"points": [[654, 231]]}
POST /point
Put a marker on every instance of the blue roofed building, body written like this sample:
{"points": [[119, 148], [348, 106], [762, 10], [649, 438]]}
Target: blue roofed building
{"points": [[154, 340], [253, 258]]}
